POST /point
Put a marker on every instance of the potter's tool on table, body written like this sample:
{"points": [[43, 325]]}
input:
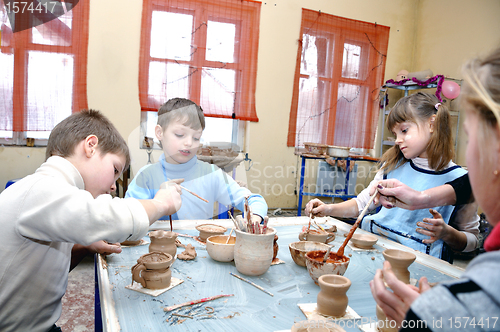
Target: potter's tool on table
{"points": [[340, 252], [229, 237], [170, 217], [206, 299], [192, 193], [319, 226], [251, 283]]}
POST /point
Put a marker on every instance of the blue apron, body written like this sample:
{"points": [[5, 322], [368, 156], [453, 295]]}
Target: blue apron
{"points": [[400, 225]]}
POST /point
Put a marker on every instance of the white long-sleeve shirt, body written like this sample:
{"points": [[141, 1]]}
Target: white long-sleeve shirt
{"points": [[467, 221], [42, 216]]}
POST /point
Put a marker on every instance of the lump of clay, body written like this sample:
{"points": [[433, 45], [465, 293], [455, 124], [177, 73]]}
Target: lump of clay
{"points": [[188, 254]]}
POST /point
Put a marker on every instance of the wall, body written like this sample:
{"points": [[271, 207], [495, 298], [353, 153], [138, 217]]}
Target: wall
{"points": [[113, 72]]}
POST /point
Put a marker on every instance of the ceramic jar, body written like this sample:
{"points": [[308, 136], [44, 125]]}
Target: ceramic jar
{"points": [[400, 261], [253, 253], [317, 236], [152, 270], [275, 247], [163, 241], [207, 230], [332, 299]]}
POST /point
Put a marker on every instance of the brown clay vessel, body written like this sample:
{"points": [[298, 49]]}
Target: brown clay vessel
{"points": [[400, 261], [317, 236], [207, 230], [163, 241], [332, 299], [152, 270]]}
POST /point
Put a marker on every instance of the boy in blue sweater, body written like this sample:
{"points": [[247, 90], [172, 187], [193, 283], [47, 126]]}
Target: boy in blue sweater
{"points": [[179, 128]]}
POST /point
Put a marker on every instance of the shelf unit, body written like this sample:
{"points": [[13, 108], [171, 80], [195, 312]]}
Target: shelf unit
{"points": [[407, 87]]}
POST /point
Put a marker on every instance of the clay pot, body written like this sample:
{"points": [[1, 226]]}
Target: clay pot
{"points": [[298, 250], [316, 267], [317, 236], [253, 253], [275, 247], [332, 299], [163, 241], [152, 270], [400, 261], [384, 324], [207, 230], [218, 250]]}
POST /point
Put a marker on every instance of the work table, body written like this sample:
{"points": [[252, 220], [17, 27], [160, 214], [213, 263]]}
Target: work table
{"points": [[250, 309]]}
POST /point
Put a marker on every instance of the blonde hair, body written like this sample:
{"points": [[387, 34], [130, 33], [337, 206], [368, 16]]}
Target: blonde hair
{"points": [[481, 91], [418, 108], [78, 126], [183, 110]]}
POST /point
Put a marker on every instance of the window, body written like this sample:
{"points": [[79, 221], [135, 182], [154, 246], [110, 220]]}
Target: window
{"points": [[205, 51], [43, 76], [340, 66]]}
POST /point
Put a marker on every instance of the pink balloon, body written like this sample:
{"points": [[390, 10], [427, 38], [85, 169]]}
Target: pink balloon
{"points": [[450, 89]]}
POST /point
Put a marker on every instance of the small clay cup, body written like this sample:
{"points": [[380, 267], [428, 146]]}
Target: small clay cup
{"points": [[317, 236], [207, 230], [400, 261], [316, 267], [218, 250], [363, 241], [332, 299], [152, 270]]}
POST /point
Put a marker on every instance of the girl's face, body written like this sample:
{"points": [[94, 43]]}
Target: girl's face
{"points": [[180, 143], [483, 182], [413, 139], [102, 173]]}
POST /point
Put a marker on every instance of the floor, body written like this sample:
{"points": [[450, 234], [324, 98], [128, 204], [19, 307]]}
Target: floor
{"points": [[78, 303]]}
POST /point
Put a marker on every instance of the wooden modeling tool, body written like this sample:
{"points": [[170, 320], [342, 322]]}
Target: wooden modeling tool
{"points": [[229, 237], [251, 283], [234, 220], [206, 299], [327, 254], [192, 193], [171, 228], [340, 252]]}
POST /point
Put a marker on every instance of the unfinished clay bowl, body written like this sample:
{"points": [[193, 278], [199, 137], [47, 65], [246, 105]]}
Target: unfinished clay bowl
{"points": [[156, 260], [207, 230], [298, 250], [363, 241], [219, 250], [316, 267]]}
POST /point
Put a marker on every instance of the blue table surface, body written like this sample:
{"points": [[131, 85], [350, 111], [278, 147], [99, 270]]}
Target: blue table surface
{"points": [[250, 309]]}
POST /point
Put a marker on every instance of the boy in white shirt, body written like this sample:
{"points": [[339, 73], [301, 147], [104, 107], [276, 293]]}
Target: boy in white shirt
{"points": [[66, 206]]}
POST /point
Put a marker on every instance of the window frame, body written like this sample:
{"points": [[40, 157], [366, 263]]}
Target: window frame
{"points": [[338, 36], [79, 40]]}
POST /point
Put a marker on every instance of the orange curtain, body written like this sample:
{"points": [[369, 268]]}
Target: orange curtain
{"points": [[203, 50], [339, 70], [44, 65]]}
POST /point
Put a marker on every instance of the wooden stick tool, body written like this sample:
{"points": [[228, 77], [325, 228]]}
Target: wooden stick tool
{"points": [[340, 252], [192, 193], [206, 299]]}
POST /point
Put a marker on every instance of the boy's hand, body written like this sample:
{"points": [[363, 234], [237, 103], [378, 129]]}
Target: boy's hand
{"points": [[169, 197], [105, 248]]}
